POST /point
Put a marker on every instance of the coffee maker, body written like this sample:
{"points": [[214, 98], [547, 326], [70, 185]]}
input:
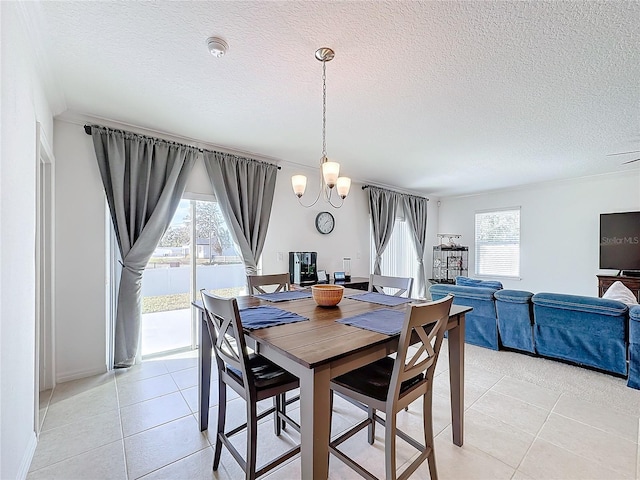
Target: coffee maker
{"points": [[303, 268]]}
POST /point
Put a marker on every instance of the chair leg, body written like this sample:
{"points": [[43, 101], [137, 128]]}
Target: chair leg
{"points": [[252, 439], [222, 415], [277, 425], [390, 445], [371, 437], [284, 409], [427, 403]]}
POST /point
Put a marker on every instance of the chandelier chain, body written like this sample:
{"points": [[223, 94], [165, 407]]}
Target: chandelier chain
{"points": [[324, 109]]}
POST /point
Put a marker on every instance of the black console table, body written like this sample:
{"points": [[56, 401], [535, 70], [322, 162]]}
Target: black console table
{"points": [[359, 283]]}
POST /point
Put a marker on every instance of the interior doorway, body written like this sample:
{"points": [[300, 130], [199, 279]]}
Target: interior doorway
{"points": [[44, 274]]}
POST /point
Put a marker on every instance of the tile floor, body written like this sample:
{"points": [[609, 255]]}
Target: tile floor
{"points": [[142, 423]]}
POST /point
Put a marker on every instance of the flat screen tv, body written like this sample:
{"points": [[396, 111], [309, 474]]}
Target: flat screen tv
{"points": [[620, 241]]}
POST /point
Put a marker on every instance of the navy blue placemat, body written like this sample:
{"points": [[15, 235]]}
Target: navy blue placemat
{"points": [[265, 316], [386, 321], [284, 296], [380, 299]]}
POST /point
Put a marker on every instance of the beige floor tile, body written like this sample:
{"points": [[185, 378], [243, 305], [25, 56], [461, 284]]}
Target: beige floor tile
{"points": [[138, 391], [527, 392], [289, 471], [186, 378], [545, 461], [479, 376], [103, 463], [623, 425], [151, 413], [67, 407], [175, 364], [191, 395], [498, 439], [157, 447], [472, 391], [607, 449], [197, 466], [75, 438], [521, 476], [464, 463], [80, 386], [146, 369], [512, 411]]}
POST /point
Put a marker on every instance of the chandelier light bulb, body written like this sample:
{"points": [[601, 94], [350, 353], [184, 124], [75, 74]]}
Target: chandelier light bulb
{"points": [[343, 185], [330, 172], [299, 184]]}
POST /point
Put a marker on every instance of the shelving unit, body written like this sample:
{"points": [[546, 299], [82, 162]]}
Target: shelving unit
{"points": [[449, 260]]}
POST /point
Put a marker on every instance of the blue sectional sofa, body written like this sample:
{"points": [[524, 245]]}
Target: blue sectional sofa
{"points": [[481, 327], [594, 332], [515, 319], [585, 330], [634, 347]]}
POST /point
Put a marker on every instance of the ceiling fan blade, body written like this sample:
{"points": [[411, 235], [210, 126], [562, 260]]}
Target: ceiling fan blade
{"points": [[623, 153], [631, 161]]}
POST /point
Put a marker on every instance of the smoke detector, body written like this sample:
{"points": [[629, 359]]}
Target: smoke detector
{"points": [[217, 47]]}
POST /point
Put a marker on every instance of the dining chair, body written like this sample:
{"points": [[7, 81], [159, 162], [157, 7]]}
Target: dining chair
{"points": [[377, 283], [252, 377], [280, 281], [391, 384]]}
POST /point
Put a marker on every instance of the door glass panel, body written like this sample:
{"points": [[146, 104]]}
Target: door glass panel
{"points": [[174, 276], [166, 312], [219, 266]]}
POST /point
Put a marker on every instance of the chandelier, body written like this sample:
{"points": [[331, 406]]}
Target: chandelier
{"points": [[330, 170]]}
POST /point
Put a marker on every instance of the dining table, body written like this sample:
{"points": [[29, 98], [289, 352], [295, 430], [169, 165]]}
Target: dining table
{"points": [[319, 349]]}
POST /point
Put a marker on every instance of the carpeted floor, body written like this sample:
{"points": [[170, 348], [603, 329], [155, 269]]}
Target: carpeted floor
{"points": [[589, 385]]}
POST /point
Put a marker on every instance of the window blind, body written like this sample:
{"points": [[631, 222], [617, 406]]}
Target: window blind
{"points": [[497, 242]]}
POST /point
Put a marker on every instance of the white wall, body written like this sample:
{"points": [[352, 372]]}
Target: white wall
{"points": [[23, 104], [559, 225], [292, 228], [80, 256]]}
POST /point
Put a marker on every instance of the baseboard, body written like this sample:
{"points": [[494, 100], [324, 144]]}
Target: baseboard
{"points": [[27, 457], [69, 376]]}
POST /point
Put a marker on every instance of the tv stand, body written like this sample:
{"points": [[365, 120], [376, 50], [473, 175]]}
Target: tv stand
{"points": [[631, 282]]}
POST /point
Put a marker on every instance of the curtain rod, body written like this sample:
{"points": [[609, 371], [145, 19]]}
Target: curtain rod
{"points": [[87, 130], [400, 193]]}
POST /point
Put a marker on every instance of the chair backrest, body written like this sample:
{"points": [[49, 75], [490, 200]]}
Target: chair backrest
{"points": [[229, 344], [378, 282], [426, 324], [279, 280]]}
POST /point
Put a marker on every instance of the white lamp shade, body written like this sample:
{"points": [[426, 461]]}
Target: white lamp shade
{"points": [[343, 185], [299, 184], [330, 172]]}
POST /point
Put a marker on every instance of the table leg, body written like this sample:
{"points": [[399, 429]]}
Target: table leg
{"points": [[204, 363], [456, 380], [315, 425]]}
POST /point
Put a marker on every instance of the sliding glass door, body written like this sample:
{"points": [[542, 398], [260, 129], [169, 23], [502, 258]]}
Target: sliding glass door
{"points": [[196, 251]]}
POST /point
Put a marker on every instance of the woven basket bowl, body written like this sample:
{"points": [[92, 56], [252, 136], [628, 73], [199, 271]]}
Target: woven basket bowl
{"points": [[327, 295]]}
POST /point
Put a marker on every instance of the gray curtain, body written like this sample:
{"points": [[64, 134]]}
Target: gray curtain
{"points": [[144, 179], [383, 205], [415, 211], [244, 189]]}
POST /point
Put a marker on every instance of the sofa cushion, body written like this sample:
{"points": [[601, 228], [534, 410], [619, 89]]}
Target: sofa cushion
{"points": [[474, 282], [634, 313], [618, 291]]}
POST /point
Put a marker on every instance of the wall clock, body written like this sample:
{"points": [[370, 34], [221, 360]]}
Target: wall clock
{"points": [[325, 223]]}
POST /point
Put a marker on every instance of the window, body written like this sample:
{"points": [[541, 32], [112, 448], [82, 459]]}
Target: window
{"points": [[498, 243], [399, 259]]}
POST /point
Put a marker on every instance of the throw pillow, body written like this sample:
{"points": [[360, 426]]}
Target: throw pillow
{"points": [[618, 291]]}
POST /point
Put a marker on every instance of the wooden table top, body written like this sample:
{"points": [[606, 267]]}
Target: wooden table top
{"points": [[321, 339]]}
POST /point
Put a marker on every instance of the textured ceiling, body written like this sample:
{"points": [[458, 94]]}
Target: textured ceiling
{"points": [[442, 98]]}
